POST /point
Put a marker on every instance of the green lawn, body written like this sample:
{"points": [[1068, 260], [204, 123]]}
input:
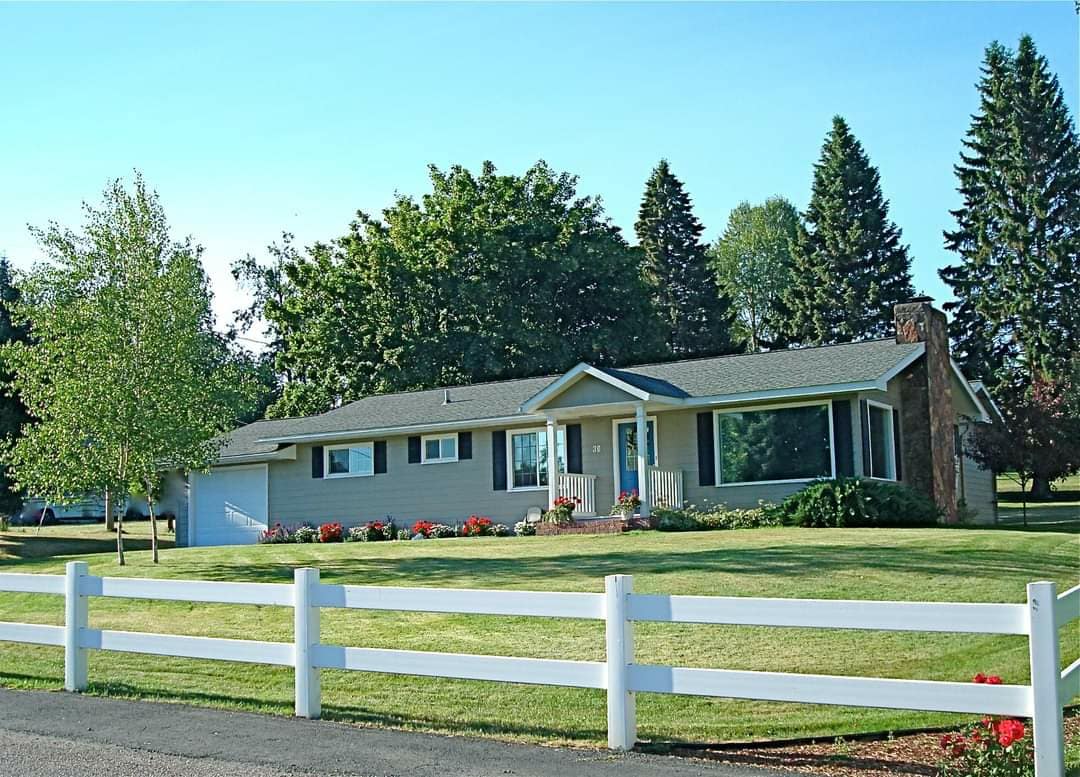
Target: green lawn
{"points": [[924, 564]]}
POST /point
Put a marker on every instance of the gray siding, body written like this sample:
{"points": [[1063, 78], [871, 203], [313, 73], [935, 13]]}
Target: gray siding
{"points": [[978, 488], [442, 492], [588, 391]]}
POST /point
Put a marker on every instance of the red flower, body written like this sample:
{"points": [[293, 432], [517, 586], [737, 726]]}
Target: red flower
{"points": [[979, 678], [1008, 731], [993, 680]]}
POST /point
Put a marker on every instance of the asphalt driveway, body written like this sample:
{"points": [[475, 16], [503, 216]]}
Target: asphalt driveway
{"points": [[57, 734]]}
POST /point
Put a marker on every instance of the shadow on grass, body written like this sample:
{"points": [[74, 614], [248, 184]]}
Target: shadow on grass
{"points": [[789, 561], [789, 761], [15, 547]]}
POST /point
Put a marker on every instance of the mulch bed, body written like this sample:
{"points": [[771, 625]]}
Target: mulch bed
{"points": [[869, 756]]}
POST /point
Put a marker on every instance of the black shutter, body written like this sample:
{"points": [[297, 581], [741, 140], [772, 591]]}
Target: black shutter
{"points": [[897, 444], [864, 423], [842, 438], [380, 457], [706, 450], [316, 461], [573, 448], [464, 445], [414, 450], [498, 460]]}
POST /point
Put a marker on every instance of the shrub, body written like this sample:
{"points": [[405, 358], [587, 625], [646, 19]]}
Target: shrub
{"points": [[993, 747], [305, 533], [500, 530], [667, 519], [857, 502], [330, 532], [403, 534], [718, 517], [372, 531], [441, 531], [524, 529], [476, 526], [423, 528], [275, 535]]}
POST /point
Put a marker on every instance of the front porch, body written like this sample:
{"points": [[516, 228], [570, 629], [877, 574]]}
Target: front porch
{"points": [[632, 467]]}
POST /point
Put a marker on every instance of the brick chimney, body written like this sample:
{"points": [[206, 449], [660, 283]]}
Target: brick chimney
{"points": [[927, 417]]}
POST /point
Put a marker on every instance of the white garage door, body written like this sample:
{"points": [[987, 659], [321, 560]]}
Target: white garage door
{"points": [[229, 505]]}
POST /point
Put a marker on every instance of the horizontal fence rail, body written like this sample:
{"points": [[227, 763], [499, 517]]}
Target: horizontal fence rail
{"points": [[620, 675]]}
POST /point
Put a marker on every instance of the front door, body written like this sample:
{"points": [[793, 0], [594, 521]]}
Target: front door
{"points": [[627, 437]]}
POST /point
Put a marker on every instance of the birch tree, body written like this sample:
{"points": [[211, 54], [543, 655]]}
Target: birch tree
{"points": [[123, 373]]}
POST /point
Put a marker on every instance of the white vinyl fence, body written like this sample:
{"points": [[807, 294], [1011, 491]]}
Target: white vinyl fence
{"points": [[621, 675]]}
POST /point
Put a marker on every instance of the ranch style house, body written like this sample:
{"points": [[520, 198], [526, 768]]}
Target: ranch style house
{"points": [[731, 429]]}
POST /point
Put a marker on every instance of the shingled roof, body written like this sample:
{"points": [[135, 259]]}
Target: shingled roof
{"points": [[714, 378]]}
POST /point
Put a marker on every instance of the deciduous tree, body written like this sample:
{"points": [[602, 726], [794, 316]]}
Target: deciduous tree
{"points": [[123, 372], [752, 262], [487, 277]]}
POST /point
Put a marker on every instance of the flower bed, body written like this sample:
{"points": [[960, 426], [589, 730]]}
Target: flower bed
{"points": [[609, 525]]}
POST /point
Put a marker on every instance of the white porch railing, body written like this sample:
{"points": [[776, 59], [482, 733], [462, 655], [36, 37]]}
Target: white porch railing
{"points": [[665, 487], [623, 672], [583, 487]]}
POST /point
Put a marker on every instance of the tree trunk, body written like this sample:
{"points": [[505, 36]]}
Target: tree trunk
{"points": [[1040, 488], [120, 540], [41, 520], [110, 519], [153, 522]]}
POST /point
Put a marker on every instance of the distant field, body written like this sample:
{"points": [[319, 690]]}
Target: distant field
{"points": [[917, 564]]}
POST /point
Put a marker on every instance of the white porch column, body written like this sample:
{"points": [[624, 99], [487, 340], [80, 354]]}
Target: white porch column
{"points": [[643, 459], [552, 462]]}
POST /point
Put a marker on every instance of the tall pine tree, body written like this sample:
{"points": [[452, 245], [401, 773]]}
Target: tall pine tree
{"points": [[1017, 282], [849, 266], [696, 316]]}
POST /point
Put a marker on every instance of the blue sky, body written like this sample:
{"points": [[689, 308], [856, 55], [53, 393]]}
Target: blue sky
{"points": [[252, 119]]}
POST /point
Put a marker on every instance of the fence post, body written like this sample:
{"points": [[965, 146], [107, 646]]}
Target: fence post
{"points": [[76, 618], [306, 636], [621, 708], [1045, 673]]}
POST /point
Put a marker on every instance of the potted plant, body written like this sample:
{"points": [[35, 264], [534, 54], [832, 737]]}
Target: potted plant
{"points": [[628, 504], [562, 511]]}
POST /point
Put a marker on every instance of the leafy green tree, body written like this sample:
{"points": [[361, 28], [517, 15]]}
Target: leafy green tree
{"points": [[752, 261], [695, 313], [1017, 236], [850, 267], [123, 372], [12, 411], [487, 277]]}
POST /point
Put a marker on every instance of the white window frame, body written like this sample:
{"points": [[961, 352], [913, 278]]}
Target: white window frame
{"points": [[539, 430], [441, 459], [326, 460], [890, 451], [717, 464]]}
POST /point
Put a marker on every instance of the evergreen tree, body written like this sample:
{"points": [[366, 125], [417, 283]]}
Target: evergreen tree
{"points": [[12, 411], [696, 316], [850, 267], [1017, 282]]}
